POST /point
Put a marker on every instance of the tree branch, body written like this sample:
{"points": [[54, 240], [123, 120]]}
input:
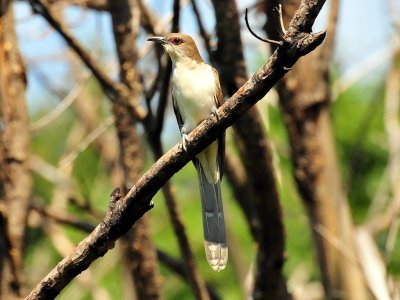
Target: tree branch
{"points": [[304, 99], [138, 247], [124, 212], [112, 89], [172, 263], [197, 283], [263, 208]]}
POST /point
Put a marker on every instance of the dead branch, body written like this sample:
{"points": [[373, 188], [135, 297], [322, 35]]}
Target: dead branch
{"points": [[124, 212], [112, 89], [269, 41], [154, 138], [305, 107], [60, 217], [263, 203], [138, 247]]}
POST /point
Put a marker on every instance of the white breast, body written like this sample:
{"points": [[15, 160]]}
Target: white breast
{"points": [[194, 89]]}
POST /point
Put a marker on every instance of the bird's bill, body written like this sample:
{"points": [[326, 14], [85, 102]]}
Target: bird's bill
{"points": [[157, 39]]}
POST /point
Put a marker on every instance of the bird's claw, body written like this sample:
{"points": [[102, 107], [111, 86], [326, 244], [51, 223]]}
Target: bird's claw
{"points": [[185, 140], [214, 113]]}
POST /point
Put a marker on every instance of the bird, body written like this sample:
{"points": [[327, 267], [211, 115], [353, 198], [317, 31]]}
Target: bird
{"points": [[197, 94]]}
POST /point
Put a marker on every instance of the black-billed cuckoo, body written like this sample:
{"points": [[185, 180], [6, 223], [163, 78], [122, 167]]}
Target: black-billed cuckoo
{"points": [[196, 93]]}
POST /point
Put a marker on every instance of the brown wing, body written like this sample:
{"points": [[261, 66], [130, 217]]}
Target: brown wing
{"points": [[219, 100]]}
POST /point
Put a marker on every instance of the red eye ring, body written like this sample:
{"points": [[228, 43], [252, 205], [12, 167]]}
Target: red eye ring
{"points": [[176, 41]]}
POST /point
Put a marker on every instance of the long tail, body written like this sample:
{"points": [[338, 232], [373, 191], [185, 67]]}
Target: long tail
{"points": [[215, 243]]}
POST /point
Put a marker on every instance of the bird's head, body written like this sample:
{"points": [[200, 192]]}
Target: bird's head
{"points": [[180, 47]]}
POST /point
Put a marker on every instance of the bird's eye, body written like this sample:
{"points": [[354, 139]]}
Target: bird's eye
{"points": [[176, 41]]}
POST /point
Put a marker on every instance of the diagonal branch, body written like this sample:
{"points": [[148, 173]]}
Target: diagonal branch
{"points": [[124, 212], [174, 264], [112, 89], [138, 248], [154, 136], [304, 100], [262, 207]]}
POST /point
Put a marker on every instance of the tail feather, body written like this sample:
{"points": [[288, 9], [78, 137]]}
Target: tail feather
{"points": [[215, 243]]}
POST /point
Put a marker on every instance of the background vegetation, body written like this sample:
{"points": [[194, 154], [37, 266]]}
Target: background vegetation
{"points": [[75, 159]]}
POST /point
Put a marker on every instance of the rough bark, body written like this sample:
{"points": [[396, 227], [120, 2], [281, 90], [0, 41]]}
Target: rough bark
{"points": [[304, 99], [140, 251], [15, 179], [267, 222], [154, 126], [121, 93], [124, 212]]}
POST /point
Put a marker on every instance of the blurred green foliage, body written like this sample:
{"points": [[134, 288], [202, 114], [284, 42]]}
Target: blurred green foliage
{"points": [[359, 131]]}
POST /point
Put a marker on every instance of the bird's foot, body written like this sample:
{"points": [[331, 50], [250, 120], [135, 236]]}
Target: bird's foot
{"points": [[185, 139], [214, 113]]}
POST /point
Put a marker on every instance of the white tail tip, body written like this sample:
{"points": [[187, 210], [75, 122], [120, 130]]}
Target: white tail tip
{"points": [[217, 255]]}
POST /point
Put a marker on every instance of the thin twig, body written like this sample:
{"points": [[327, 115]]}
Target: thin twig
{"points": [[196, 281], [62, 218], [278, 18], [112, 89], [138, 200], [85, 143], [60, 108], [279, 43]]}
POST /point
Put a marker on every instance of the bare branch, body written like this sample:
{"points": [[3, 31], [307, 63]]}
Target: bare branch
{"points": [[61, 218], [304, 99], [128, 210], [60, 108], [138, 246], [279, 43], [173, 264], [85, 143], [112, 89], [263, 208]]}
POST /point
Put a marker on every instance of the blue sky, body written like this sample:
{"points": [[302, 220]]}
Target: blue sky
{"points": [[364, 27]]}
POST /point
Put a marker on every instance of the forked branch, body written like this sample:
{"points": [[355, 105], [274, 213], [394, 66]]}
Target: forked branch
{"points": [[126, 211]]}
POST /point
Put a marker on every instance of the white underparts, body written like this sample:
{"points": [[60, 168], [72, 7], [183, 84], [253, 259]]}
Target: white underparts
{"points": [[194, 92]]}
